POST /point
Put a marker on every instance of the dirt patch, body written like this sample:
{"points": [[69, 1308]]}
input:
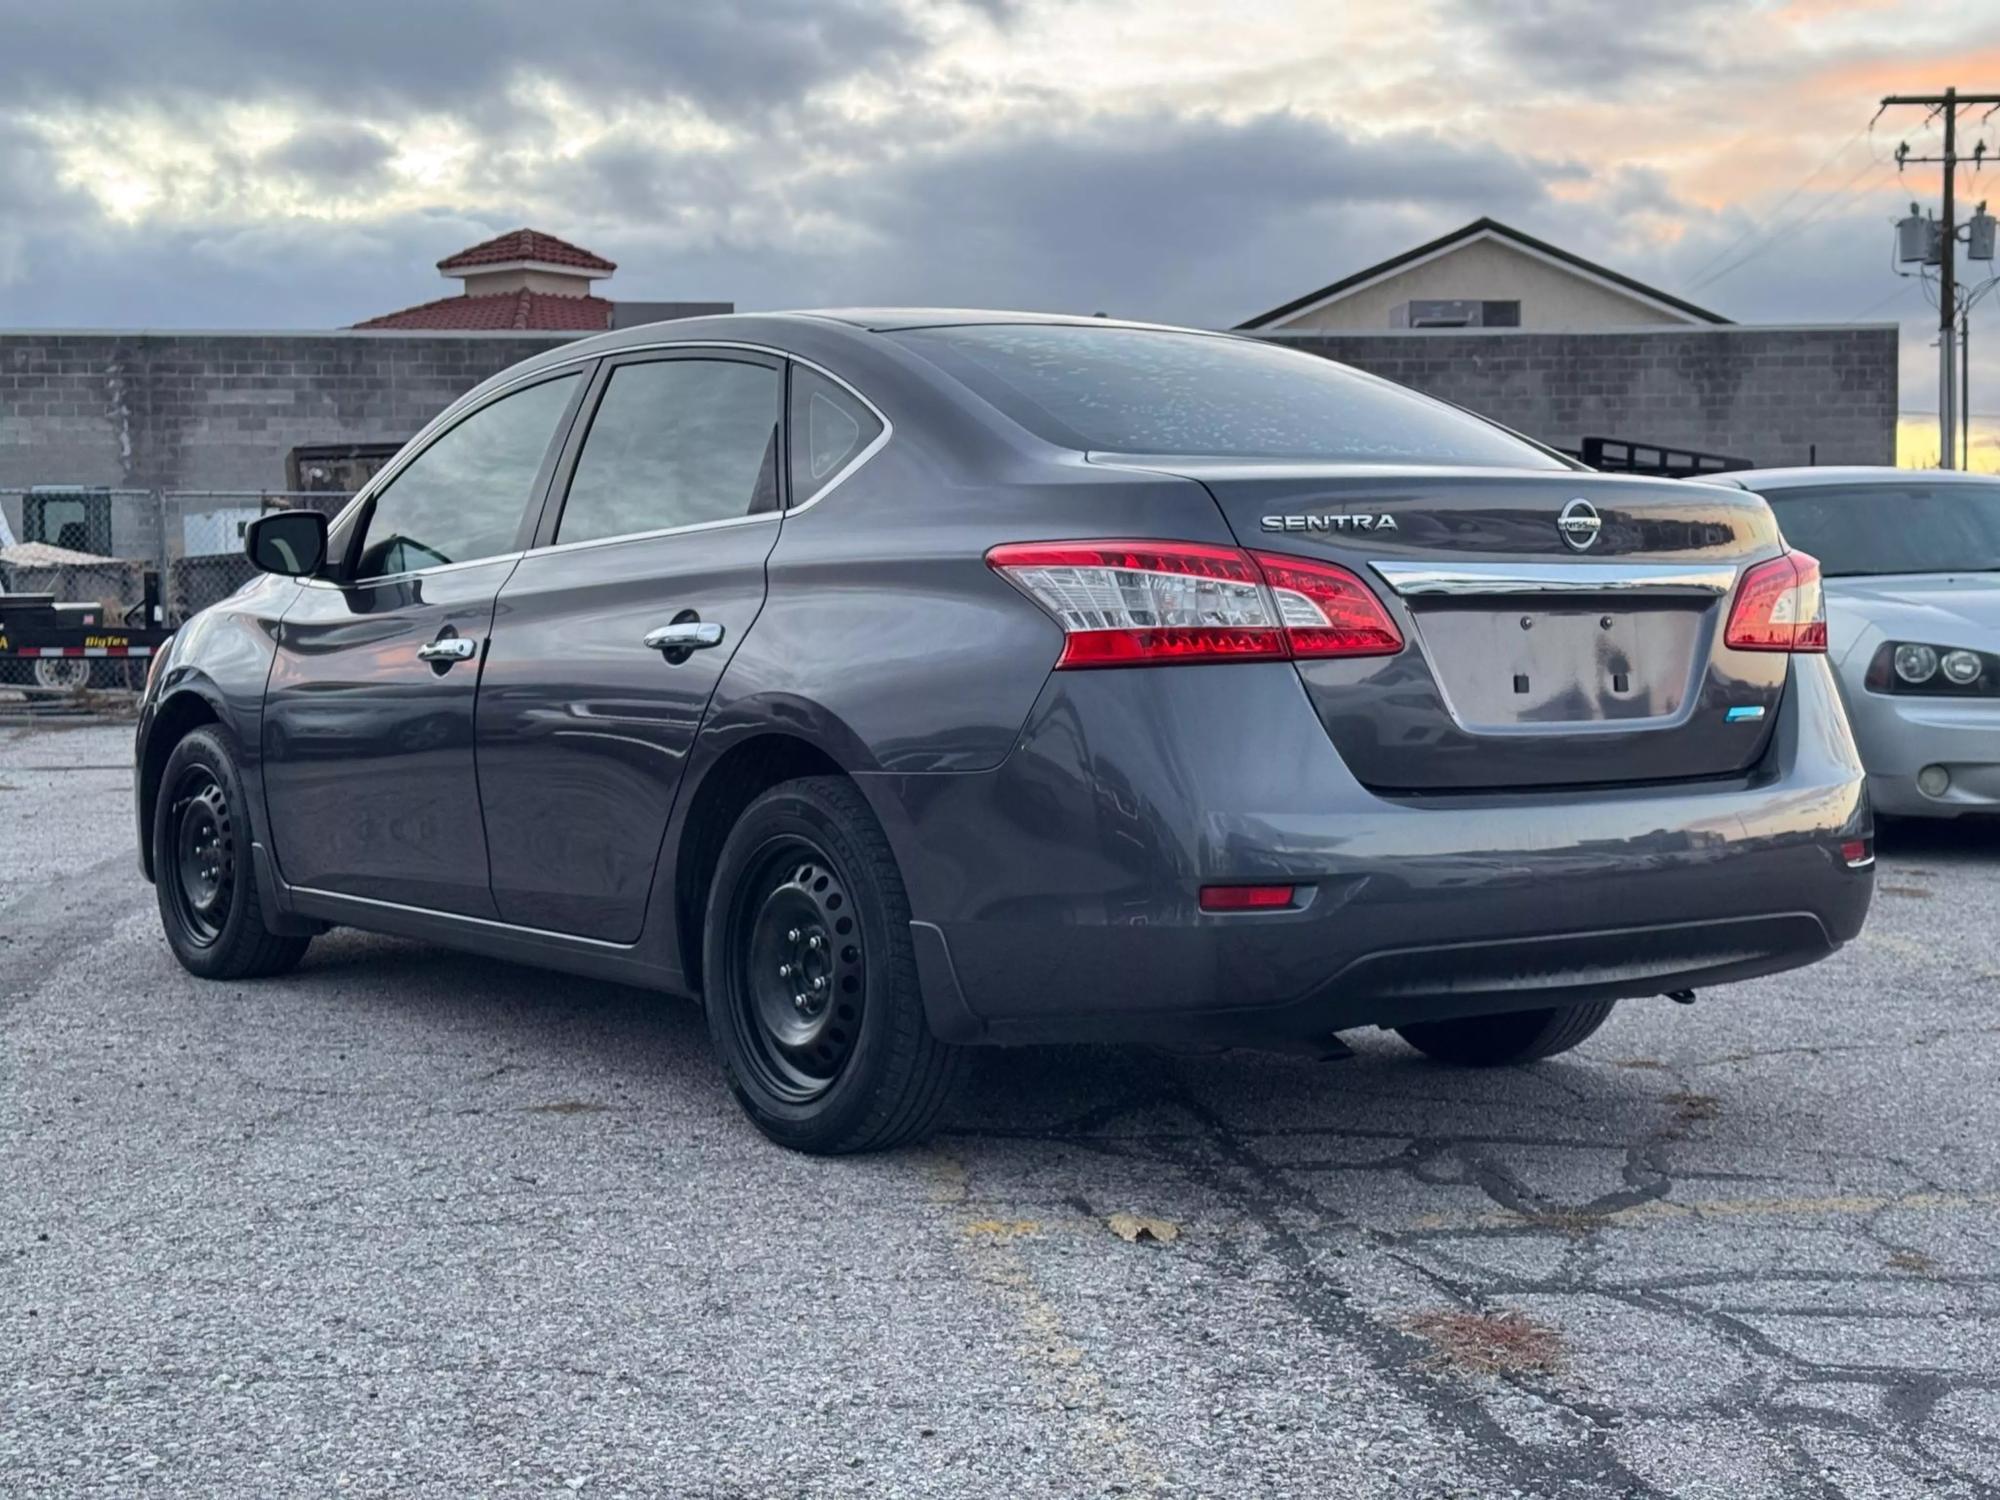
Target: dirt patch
{"points": [[1912, 1260], [1572, 1221], [567, 1107], [1690, 1109], [1921, 892], [1489, 1343], [1645, 1064]]}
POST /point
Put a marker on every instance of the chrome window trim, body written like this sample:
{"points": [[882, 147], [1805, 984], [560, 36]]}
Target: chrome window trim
{"points": [[1471, 579], [375, 579], [647, 536], [452, 415]]}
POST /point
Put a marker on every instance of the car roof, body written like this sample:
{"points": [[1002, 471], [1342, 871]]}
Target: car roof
{"points": [[838, 324], [894, 319], [1829, 475]]}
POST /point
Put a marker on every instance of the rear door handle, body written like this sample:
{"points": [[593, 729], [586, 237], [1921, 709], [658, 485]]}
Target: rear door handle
{"points": [[449, 648], [685, 635]]}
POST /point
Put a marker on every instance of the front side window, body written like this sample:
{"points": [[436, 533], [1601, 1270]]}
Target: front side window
{"points": [[676, 442], [830, 428], [1902, 527], [1167, 393], [462, 498]]}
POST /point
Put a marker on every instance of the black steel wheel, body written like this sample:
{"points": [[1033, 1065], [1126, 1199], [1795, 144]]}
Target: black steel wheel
{"points": [[809, 978], [800, 990], [202, 872], [203, 876]]}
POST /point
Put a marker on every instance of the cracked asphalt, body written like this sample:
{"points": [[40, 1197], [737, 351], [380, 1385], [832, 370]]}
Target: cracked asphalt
{"points": [[414, 1222]]}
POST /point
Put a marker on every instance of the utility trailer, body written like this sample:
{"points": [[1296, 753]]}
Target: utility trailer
{"points": [[69, 647]]}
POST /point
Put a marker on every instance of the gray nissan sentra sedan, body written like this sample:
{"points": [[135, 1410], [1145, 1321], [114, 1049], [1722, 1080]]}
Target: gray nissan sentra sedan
{"points": [[896, 681]]}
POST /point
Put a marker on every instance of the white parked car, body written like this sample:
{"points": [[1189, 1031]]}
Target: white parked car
{"points": [[1911, 562]]}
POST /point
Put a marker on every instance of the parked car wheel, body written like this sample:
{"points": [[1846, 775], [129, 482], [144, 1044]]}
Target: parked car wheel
{"points": [[810, 979], [202, 875], [1521, 1036]]}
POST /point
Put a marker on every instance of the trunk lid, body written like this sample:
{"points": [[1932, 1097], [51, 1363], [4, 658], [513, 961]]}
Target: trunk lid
{"points": [[1531, 660]]}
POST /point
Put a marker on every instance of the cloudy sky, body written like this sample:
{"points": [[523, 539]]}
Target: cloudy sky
{"points": [[242, 163]]}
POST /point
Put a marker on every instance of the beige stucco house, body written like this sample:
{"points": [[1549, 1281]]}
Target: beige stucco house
{"points": [[1484, 275]]}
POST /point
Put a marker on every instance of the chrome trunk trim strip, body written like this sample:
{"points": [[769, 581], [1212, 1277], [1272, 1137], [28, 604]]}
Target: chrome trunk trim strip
{"points": [[1472, 579]]}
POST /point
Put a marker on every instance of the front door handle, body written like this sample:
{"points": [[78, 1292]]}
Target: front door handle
{"points": [[448, 649], [684, 636]]}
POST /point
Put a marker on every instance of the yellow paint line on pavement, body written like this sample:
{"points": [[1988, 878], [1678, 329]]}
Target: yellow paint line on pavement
{"points": [[988, 1247]]}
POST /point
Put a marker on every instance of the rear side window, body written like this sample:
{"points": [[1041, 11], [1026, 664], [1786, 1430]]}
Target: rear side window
{"points": [[676, 442], [462, 498], [1145, 391], [830, 428]]}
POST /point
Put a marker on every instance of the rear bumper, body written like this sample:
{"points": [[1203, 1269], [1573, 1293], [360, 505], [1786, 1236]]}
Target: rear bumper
{"points": [[1056, 896], [1901, 734]]}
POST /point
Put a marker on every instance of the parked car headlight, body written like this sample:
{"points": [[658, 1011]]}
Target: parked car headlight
{"points": [[1916, 667], [1963, 667]]}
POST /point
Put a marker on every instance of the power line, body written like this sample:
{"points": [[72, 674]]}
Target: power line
{"points": [[1901, 288], [1838, 198], [1784, 202]]}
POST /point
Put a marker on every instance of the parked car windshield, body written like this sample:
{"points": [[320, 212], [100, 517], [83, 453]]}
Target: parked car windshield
{"points": [[1900, 527], [1147, 391]]}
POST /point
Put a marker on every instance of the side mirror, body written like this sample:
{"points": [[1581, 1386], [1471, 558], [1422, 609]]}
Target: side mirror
{"points": [[287, 542]]}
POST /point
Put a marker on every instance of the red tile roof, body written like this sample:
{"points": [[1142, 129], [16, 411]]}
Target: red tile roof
{"points": [[526, 244], [501, 310]]}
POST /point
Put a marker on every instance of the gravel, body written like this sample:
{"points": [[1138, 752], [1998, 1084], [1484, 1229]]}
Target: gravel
{"points": [[414, 1221]]}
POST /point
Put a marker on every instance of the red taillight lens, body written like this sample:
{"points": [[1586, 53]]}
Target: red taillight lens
{"points": [[1327, 611], [1779, 607], [1152, 603], [1245, 897], [1139, 603]]}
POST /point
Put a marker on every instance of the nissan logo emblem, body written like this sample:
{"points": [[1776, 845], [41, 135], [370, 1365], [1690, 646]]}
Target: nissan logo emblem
{"points": [[1579, 524]]}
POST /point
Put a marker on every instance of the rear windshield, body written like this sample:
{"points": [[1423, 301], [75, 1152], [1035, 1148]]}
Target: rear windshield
{"points": [[1858, 529], [1140, 391]]}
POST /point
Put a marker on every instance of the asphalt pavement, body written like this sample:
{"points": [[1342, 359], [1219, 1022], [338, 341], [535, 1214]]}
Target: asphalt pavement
{"points": [[420, 1223]]}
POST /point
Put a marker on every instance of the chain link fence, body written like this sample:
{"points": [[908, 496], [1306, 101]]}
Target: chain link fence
{"points": [[97, 545], [166, 554]]}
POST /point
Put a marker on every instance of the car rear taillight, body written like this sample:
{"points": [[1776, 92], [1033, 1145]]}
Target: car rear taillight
{"points": [[1327, 611], [1779, 607], [1130, 604]]}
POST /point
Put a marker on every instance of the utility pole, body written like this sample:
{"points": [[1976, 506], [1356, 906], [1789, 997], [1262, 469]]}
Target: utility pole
{"points": [[1946, 104]]}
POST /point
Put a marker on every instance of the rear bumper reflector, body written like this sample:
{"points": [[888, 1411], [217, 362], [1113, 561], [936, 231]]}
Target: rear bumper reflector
{"points": [[1245, 897]]}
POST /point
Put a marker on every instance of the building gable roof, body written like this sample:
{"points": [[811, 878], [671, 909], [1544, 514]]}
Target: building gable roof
{"points": [[1478, 229], [530, 246]]}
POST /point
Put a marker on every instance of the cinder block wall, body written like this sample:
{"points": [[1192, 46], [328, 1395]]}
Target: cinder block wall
{"points": [[1772, 395], [222, 410]]}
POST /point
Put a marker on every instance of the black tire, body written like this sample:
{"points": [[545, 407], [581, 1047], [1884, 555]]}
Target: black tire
{"points": [[850, 1064], [202, 875], [1521, 1036]]}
